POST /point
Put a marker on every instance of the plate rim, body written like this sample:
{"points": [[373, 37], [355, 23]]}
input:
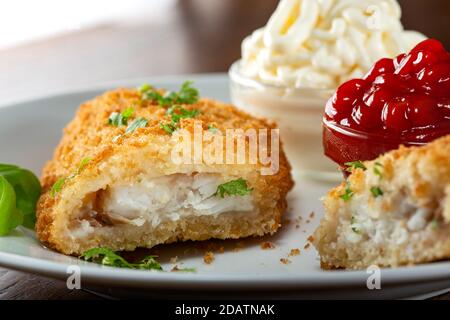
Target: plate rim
{"points": [[169, 280]]}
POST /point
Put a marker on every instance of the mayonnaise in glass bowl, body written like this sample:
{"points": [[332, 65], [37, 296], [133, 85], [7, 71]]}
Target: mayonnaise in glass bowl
{"points": [[298, 113]]}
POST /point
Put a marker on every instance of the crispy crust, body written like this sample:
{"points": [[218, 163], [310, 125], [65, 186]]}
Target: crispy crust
{"points": [[147, 149], [412, 179]]}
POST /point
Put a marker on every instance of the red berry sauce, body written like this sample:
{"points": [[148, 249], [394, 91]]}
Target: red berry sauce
{"points": [[405, 100]]}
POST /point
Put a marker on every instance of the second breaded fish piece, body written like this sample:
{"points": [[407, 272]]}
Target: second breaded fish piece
{"points": [[106, 187], [395, 212]]}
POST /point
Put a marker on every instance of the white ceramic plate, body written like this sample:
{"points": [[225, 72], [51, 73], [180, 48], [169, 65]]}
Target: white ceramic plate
{"points": [[30, 130]]}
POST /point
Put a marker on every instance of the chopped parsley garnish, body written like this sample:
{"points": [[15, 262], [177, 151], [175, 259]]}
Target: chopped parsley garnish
{"points": [[108, 257], [355, 165], [348, 193], [377, 169], [137, 123], [435, 224], [186, 95], [145, 88], [178, 269], [212, 128], [177, 113], [117, 119], [57, 186], [168, 127], [83, 163], [234, 187], [354, 229], [376, 191]]}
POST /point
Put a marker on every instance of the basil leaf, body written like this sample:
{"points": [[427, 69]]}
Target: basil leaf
{"points": [[10, 216], [27, 190]]}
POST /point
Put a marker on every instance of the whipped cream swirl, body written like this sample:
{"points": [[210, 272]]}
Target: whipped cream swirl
{"points": [[323, 43]]}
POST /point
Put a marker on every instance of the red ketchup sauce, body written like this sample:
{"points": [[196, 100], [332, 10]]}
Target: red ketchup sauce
{"points": [[405, 100]]}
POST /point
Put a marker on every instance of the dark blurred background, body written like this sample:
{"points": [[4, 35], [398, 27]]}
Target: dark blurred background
{"points": [[184, 36]]}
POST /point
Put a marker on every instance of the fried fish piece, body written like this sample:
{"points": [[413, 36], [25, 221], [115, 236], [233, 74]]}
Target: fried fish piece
{"points": [[396, 212], [106, 187]]}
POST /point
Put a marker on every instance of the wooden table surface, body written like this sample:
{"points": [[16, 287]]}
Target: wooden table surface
{"points": [[195, 38]]}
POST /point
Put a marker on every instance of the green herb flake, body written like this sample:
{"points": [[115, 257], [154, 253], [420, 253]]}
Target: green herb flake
{"points": [[178, 269], [57, 187], [212, 128], [186, 95], [377, 169], [148, 263], [168, 127], [108, 257], [234, 187], [83, 164], [435, 224], [376, 191], [137, 123], [145, 88], [348, 193], [355, 165], [354, 229], [117, 119], [177, 113]]}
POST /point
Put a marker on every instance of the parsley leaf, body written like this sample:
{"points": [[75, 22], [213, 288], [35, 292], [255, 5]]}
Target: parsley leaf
{"points": [[145, 88], [178, 269], [212, 128], [354, 165], [177, 113], [108, 257], [376, 191], [377, 169], [137, 123], [348, 193], [58, 186], [148, 263], [168, 127], [117, 119], [234, 187], [83, 164], [105, 257], [186, 95], [435, 224], [354, 229]]}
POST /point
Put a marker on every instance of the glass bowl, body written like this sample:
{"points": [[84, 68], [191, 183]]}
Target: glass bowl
{"points": [[343, 144], [298, 113]]}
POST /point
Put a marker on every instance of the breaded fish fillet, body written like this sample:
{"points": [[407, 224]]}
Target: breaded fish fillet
{"points": [[396, 212], [105, 187]]}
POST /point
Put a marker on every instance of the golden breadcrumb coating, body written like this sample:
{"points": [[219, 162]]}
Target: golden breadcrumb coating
{"points": [[399, 212], [146, 152]]}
